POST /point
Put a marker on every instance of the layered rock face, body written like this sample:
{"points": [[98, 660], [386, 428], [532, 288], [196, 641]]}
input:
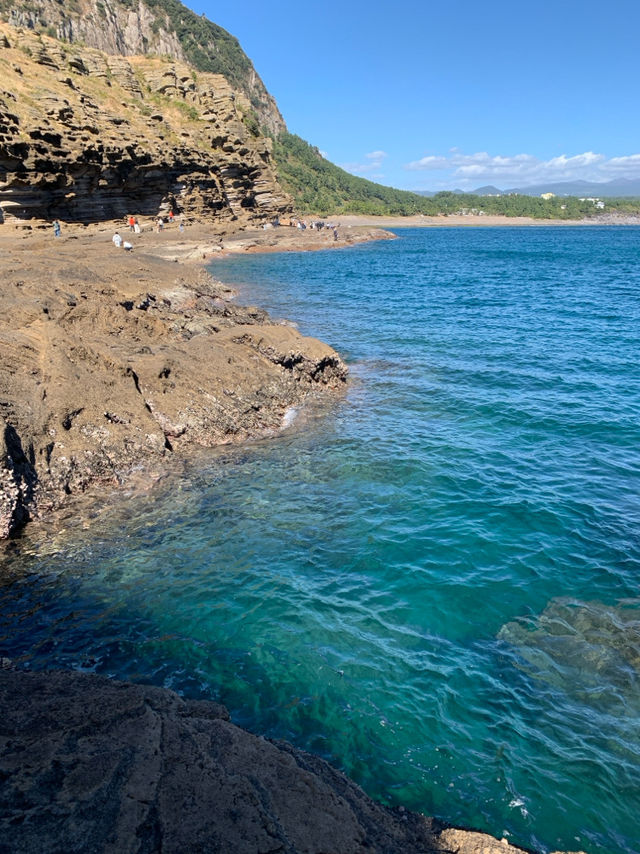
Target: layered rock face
{"points": [[85, 137], [139, 27]]}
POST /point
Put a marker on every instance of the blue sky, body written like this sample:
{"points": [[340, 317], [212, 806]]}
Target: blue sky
{"points": [[439, 95]]}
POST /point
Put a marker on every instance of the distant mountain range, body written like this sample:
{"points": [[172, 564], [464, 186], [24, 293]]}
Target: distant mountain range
{"points": [[608, 189]]}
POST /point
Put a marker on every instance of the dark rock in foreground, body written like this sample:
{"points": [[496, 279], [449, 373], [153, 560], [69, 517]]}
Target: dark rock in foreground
{"points": [[92, 765]]}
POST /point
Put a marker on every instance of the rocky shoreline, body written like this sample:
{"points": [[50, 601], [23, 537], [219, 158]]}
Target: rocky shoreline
{"points": [[91, 764], [114, 361]]}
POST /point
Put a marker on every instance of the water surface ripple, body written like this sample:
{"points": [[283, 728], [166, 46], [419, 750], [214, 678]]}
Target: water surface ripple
{"points": [[434, 583]]}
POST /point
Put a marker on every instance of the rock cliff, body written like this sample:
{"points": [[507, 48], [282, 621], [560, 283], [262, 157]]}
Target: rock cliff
{"points": [[144, 27], [86, 136]]}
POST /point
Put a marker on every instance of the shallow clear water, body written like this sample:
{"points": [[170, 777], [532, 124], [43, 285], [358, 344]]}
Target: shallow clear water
{"points": [[433, 582]]}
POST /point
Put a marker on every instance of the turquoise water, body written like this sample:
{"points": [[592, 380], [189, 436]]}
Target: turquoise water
{"points": [[432, 582]]}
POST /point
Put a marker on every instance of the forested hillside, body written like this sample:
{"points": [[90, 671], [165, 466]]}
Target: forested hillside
{"points": [[318, 186]]}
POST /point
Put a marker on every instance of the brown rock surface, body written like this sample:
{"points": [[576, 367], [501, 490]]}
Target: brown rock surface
{"points": [[136, 27], [110, 361], [87, 137], [93, 765]]}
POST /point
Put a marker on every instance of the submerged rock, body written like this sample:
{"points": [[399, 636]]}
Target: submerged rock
{"points": [[588, 649]]}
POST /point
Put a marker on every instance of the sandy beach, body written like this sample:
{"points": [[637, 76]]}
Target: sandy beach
{"points": [[470, 221]]}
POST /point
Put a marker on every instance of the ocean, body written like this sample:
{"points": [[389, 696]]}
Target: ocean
{"points": [[432, 581]]}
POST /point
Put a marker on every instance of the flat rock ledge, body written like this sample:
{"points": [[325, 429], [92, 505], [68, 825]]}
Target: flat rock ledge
{"points": [[88, 764], [112, 363]]}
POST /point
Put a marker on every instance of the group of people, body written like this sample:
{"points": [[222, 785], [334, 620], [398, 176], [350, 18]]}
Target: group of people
{"points": [[119, 242], [170, 218], [316, 225], [134, 226]]}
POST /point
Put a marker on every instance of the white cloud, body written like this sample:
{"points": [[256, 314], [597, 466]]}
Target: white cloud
{"points": [[526, 169], [624, 167], [378, 156], [371, 166], [430, 162]]}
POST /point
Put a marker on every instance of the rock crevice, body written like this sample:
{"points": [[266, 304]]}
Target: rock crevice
{"points": [[18, 480]]}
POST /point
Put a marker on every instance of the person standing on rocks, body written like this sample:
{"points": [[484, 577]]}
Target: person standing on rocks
{"points": [[56, 228], [132, 223], [117, 240]]}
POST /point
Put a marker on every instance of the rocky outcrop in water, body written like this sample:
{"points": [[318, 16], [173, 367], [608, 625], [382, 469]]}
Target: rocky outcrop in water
{"points": [[93, 765], [88, 137], [114, 361]]}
